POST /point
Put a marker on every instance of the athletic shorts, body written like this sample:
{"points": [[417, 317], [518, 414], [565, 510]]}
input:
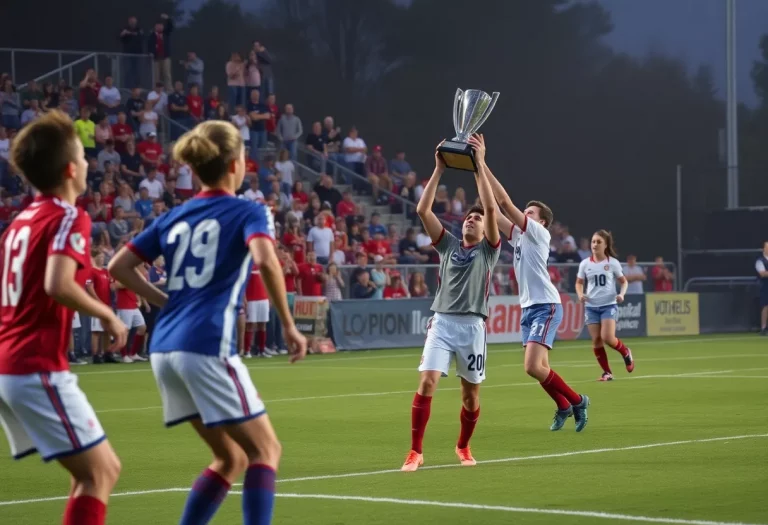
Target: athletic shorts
{"points": [[764, 297], [131, 318], [459, 337], [76, 321], [217, 390], [96, 325], [597, 314], [539, 323], [47, 413], [257, 311]]}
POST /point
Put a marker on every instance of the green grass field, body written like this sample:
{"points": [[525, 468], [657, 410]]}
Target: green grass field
{"points": [[684, 439]]}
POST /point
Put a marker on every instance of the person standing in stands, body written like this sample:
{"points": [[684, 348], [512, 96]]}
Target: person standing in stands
{"points": [[762, 271]]}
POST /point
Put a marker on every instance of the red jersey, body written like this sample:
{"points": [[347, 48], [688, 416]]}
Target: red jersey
{"points": [[271, 124], [251, 166], [390, 292], [296, 245], [119, 130], [345, 209], [309, 275], [255, 290], [127, 299], [151, 150], [378, 247], [290, 279], [195, 104], [35, 328], [660, 282], [100, 279]]}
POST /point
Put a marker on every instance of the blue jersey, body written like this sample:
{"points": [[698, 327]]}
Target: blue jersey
{"points": [[205, 246]]}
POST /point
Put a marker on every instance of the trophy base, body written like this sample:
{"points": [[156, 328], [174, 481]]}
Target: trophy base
{"points": [[458, 155]]}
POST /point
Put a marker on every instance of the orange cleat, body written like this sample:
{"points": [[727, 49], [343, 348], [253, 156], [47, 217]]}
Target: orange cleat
{"points": [[465, 456], [412, 461]]}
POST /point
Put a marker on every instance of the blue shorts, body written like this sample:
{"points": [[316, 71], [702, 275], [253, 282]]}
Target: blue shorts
{"points": [[540, 322], [596, 314]]}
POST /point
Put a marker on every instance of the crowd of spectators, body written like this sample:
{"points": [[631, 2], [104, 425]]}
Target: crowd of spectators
{"points": [[132, 178]]}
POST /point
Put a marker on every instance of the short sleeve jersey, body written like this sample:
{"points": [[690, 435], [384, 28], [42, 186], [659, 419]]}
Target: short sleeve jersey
{"points": [[600, 280]]}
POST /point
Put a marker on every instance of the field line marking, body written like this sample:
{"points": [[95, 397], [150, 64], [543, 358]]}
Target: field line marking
{"points": [[504, 508], [527, 458], [429, 467], [318, 360], [446, 389]]}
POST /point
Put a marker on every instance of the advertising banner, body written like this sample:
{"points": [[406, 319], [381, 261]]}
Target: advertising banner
{"points": [[672, 313], [504, 315], [310, 314], [632, 318], [363, 324]]}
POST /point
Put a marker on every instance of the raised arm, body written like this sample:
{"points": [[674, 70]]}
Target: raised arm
{"points": [[512, 211], [124, 267], [486, 193], [432, 224]]}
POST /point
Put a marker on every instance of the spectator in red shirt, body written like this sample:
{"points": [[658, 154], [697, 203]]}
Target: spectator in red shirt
{"points": [[271, 124], [290, 269], [663, 279], [122, 133], [348, 209], [311, 277], [89, 90], [380, 246], [294, 240], [298, 194], [150, 151], [395, 289], [212, 103], [195, 103], [377, 172]]}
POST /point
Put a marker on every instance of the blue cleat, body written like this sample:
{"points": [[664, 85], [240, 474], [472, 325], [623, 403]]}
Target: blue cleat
{"points": [[580, 413], [560, 417]]}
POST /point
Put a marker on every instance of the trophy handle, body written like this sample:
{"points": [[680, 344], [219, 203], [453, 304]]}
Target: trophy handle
{"points": [[456, 99], [487, 112]]}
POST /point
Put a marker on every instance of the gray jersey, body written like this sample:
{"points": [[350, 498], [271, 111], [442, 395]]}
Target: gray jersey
{"points": [[465, 276]]}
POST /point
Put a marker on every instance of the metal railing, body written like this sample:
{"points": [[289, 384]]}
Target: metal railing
{"points": [[730, 281], [125, 68]]}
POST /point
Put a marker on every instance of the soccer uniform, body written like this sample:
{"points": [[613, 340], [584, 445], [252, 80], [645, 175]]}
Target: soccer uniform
{"points": [[100, 280], [457, 329], [761, 265], [256, 296], [194, 344], [539, 299], [600, 279], [128, 308], [41, 407]]}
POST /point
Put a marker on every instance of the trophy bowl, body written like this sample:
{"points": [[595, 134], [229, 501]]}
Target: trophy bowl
{"points": [[471, 108]]}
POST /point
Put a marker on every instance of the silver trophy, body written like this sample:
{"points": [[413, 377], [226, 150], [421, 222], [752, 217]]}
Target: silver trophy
{"points": [[471, 108]]}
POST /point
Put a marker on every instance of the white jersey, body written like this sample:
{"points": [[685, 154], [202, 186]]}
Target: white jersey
{"points": [[635, 287], [531, 244], [600, 279]]}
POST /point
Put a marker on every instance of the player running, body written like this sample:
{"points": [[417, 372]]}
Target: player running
{"points": [[45, 259], [539, 299], [212, 241], [98, 285], [457, 330], [601, 271]]}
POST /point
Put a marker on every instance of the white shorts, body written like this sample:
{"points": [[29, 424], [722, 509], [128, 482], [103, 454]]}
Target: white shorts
{"points": [[462, 337], [217, 390], [76, 321], [96, 325], [131, 318], [258, 311], [47, 413]]}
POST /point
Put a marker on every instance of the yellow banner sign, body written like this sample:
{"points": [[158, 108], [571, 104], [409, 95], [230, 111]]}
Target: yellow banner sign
{"points": [[672, 313]]}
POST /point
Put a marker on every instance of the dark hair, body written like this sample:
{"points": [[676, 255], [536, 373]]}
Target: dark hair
{"points": [[209, 148], [610, 248], [545, 212], [43, 149], [475, 208]]}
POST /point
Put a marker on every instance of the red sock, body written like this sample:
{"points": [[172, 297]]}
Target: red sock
{"points": [[248, 340], [261, 340], [563, 389], [562, 403], [85, 510], [620, 348], [468, 421], [419, 417], [124, 351], [602, 359], [138, 344]]}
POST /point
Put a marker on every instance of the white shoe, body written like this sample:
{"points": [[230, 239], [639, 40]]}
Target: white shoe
{"points": [[127, 359], [271, 352], [247, 355], [283, 351], [264, 354], [138, 357]]}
